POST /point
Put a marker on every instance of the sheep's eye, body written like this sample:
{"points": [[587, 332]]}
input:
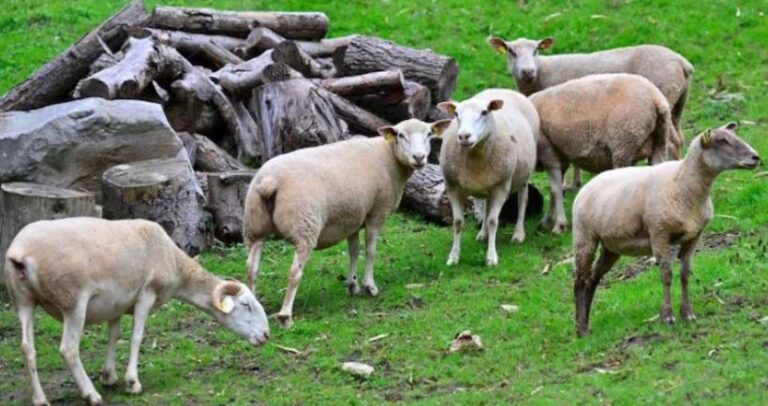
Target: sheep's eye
{"points": [[247, 306], [511, 52], [722, 141], [401, 136], [535, 52], [484, 112]]}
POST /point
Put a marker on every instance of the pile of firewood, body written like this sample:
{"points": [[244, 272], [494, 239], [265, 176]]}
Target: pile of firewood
{"points": [[238, 88]]}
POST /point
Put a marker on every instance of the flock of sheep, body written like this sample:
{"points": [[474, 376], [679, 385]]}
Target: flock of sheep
{"points": [[601, 112]]}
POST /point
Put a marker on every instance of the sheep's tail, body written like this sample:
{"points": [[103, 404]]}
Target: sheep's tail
{"points": [[259, 205], [662, 135], [679, 106], [21, 271]]}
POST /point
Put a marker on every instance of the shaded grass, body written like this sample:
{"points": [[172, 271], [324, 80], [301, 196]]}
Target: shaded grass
{"points": [[531, 356]]}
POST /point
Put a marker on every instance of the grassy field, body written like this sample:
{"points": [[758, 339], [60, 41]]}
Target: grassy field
{"points": [[531, 356]]}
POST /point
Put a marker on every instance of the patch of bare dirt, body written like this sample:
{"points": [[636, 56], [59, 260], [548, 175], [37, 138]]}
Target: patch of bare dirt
{"points": [[639, 340]]}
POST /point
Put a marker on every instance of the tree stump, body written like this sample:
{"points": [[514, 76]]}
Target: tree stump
{"points": [[161, 190], [424, 193], [368, 54], [226, 202], [24, 203]]}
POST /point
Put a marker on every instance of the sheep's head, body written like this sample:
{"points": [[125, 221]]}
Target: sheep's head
{"points": [[411, 140], [238, 310], [522, 55], [473, 119], [722, 149]]}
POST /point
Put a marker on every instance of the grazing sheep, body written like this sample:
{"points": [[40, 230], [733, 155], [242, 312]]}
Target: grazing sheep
{"points": [[646, 211], [667, 70], [317, 197], [89, 270], [488, 153], [599, 122]]}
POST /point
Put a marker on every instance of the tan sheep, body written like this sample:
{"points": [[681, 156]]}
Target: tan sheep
{"points": [[489, 152], [89, 270], [667, 70], [317, 197], [646, 211], [599, 122]]}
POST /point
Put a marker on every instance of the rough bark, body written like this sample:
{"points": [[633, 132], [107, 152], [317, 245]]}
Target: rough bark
{"points": [[508, 214], [71, 144], [388, 82], [226, 202], [186, 42], [161, 190], [260, 40], [358, 119], [308, 26], [54, 81], [415, 102], [325, 47], [206, 156], [424, 193], [24, 203], [368, 54], [294, 114], [217, 55], [127, 78], [249, 147], [191, 108], [243, 77], [289, 53]]}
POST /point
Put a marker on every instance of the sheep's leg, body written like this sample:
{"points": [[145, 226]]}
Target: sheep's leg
{"points": [[26, 313], [483, 234], [686, 253], [584, 255], [457, 208], [353, 246], [108, 372], [495, 202], [522, 203], [556, 196], [285, 316], [661, 251], [371, 236], [140, 313], [604, 264], [254, 257], [74, 321]]}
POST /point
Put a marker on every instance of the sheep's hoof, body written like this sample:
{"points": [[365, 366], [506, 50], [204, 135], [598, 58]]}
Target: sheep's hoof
{"points": [[559, 228], [108, 377], [133, 386], [518, 238], [41, 402], [667, 318], [481, 236], [353, 288], [285, 320], [453, 259], [93, 399], [371, 290], [687, 316], [492, 260]]}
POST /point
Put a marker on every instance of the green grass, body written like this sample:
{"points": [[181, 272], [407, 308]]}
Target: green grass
{"points": [[532, 356]]}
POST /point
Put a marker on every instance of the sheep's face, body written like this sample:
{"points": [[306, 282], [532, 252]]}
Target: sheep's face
{"points": [[724, 150], [522, 56], [239, 311], [473, 118], [410, 140]]}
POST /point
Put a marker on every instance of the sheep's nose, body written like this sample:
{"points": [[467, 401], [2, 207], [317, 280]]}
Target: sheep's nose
{"points": [[528, 73], [463, 136], [756, 157], [419, 158], [266, 335]]}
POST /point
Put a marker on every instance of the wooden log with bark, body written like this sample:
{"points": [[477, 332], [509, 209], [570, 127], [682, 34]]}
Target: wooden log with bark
{"points": [[307, 26], [242, 78], [217, 55], [191, 108], [54, 81], [161, 190], [359, 120], [24, 203], [187, 42], [369, 54], [325, 47], [414, 102], [424, 193], [226, 202], [260, 40], [294, 114], [289, 53], [390, 82], [508, 214], [206, 156]]}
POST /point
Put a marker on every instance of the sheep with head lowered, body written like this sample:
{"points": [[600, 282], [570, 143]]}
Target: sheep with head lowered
{"points": [[647, 210], [489, 152], [88, 270], [317, 197], [600, 122], [670, 72]]}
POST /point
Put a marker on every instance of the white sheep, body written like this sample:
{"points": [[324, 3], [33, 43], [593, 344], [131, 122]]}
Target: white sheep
{"points": [[670, 72], [317, 197], [89, 270], [647, 210], [489, 152], [599, 122]]}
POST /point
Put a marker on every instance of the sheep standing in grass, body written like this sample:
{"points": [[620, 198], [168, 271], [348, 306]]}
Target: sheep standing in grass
{"points": [[670, 72], [317, 197], [599, 122], [488, 153], [646, 211], [88, 270]]}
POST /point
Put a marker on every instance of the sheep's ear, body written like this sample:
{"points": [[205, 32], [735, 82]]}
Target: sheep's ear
{"points": [[498, 44], [732, 126], [447, 107], [226, 305], [495, 105], [546, 43], [439, 126], [706, 138], [388, 132]]}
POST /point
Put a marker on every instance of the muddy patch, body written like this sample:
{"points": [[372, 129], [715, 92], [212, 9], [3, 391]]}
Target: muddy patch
{"points": [[709, 242], [639, 340]]}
